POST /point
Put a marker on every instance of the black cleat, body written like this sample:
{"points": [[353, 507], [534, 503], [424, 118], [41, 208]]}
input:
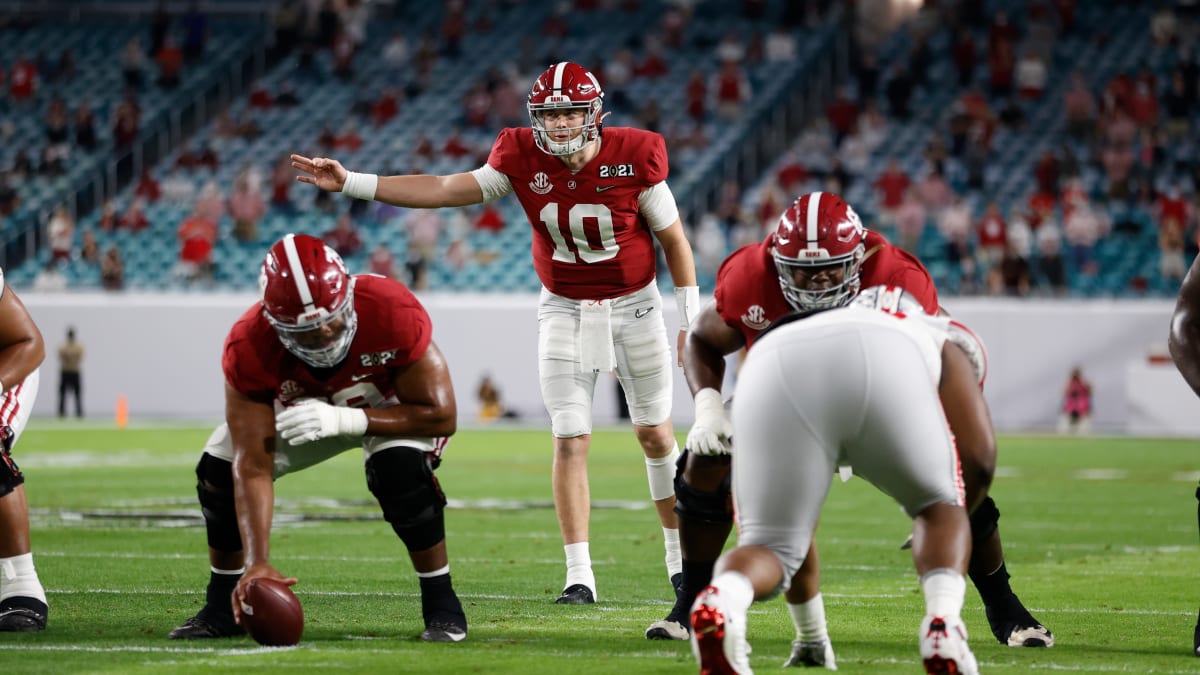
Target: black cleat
{"points": [[19, 617], [444, 631], [576, 594], [677, 625], [1196, 639], [1014, 626], [204, 627]]}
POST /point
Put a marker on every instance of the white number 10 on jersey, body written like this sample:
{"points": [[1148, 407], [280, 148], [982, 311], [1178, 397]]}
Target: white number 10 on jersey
{"points": [[577, 217]]}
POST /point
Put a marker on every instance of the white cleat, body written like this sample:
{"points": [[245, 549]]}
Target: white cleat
{"points": [[805, 654], [944, 647], [718, 637]]}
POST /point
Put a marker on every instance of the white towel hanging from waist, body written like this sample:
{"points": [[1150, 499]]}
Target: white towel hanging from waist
{"points": [[596, 352]]}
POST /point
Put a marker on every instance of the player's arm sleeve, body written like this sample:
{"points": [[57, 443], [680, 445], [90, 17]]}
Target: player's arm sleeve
{"points": [[657, 205], [492, 183]]}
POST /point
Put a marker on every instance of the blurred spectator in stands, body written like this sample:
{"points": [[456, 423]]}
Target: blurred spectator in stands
{"points": [[490, 406], [195, 32], [696, 92], [1177, 107], [1065, 10], [866, 74], [898, 90], [653, 64], [1081, 230], [381, 262], [1118, 161], [1001, 31], [730, 48], [395, 52], [649, 116], [344, 237], [771, 202], [959, 125], [286, 97], [9, 199], [197, 235], [225, 127], [508, 101], [22, 167], [792, 174], [1143, 106], [1010, 276], [837, 178], [109, 218], [781, 48], [489, 218], [343, 56], [936, 154], [674, 25], [477, 106], [51, 162], [1045, 173], [22, 80], [920, 59], [147, 188], [60, 232], [112, 269], [246, 207], [910, 218], [1077, 405], [211, 202], [458, 250], [1172, 205], [891, 186], [89, 248], [732, 90], [1040, 31], [1019, 233], [160, 24], [386, 107], [455, 145], [177, 189], [1031, 74], [1011, 115], [133, 62], [127, 121], [170, 63], [1171, 262], [991, 235], [260, 97], [424, 227], [134, 219], [85, 126], [1163, 25], [50, 278], [58, 130], [842, 113], [954, 224], [965, 57], [1001, 65], [618, 71], [202, 157], [709, 244], [282, 177], [935, 193]]}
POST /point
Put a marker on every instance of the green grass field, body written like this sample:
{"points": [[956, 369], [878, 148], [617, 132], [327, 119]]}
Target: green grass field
{"points": [[1100, 537]]}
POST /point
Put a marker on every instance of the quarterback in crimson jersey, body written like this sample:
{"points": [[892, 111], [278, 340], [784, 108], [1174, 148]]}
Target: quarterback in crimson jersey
{"points": [[325, 363], [819, 256], [597, 199]]}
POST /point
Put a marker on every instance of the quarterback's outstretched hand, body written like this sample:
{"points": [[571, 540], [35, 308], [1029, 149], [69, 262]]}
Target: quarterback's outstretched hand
{"points": [[711, 433], [327, 174], [313, 420]]}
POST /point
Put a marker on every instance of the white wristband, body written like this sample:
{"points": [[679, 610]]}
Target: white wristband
{"points": [[687, 298], [351, 421], [360, 185]]}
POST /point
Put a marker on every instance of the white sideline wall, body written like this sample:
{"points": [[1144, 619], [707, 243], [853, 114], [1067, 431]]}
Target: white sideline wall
{"points": [[162, 352]]}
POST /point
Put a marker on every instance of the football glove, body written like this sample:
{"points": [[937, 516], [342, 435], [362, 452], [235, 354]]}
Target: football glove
{"points": [[711, 433], [313, 420]]}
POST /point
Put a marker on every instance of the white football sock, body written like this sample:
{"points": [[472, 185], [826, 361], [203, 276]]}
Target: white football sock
{"points": [[18, 578], [944, 590], [809, 619], [674, 555], [735, 591], [579, 566]]}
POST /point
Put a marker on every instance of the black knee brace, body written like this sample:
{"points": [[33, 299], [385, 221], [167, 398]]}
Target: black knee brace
{"points": [[412, 501], [715, 507], [984, 521], [215, 488], [10, 474]]}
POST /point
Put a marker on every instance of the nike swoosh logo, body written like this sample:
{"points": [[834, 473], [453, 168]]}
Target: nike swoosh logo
{"points": [[639, 313], [602, 188], [360, 376]]}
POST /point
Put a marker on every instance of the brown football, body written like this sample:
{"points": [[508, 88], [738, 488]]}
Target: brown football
{"points": [[271, 613]]}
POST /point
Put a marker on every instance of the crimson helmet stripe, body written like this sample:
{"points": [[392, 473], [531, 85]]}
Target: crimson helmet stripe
{"points": [[814, 207], [298, 274]]}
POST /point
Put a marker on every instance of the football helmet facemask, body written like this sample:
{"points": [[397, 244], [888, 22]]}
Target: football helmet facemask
{"points": [[566, 86], [308, 297], [819, 232]]}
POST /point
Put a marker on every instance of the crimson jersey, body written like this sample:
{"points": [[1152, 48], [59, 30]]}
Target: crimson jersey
{"points": [[393, 332], [749, 298], [590, 241]]}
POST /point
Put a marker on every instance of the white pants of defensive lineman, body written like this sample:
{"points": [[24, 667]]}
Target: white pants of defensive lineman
{"points": [[804, 406], [643, 361]]}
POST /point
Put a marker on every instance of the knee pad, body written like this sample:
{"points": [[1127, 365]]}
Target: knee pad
{"points": [[984, 521], [214, 486], [715, 507], [569, 424], [10, 474], [412, 501]]}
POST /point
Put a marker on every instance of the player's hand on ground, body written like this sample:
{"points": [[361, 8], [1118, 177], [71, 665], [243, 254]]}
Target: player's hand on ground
{"points": [[325, 173], [313, 420], [711, 433], [255, 572]]}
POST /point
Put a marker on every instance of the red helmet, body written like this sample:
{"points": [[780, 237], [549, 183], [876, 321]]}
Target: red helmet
{"points": [[818, 233], [308, 296], [566, 85]]}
